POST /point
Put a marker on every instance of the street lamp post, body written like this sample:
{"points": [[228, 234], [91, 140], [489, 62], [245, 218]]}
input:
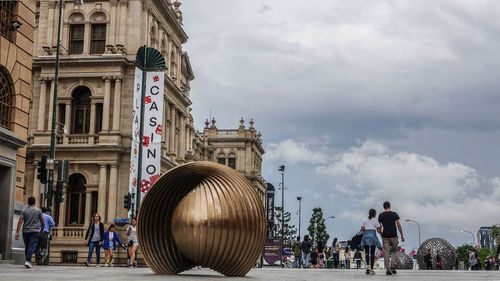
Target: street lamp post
{"points": [[418, 229], [300, 210], [472, 234], [282, 170], [50, 185]]}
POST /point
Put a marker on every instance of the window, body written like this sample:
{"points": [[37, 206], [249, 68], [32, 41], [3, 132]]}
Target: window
{"points": [[75, 208], [76, 36], [5, 97], [98, 117], [81, 111], [6, 17], [98, 43], [232, 163], [221, 161]]}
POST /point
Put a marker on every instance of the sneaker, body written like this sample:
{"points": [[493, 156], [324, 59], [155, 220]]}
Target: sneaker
{"points": [[105, 265], [98, 265], [135, 263], [393, 270], [372, 272], [110, 264], [388, 272], [86, 263], [27, 264], [367, 271]]}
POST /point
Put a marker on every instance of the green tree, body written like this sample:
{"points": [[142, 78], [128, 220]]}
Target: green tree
{"points": [[495, 230], [483, 253], [289, 233], [317, 228], [463, 254]]}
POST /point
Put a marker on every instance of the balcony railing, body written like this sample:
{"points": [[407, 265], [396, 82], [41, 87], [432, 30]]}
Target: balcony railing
{"points": [[68, 232], [77, 139]]}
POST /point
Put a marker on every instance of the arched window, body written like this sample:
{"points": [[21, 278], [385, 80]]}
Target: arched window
{"points": [[76, 33], [98, 40], [81, 110], [75, 208], [6, 93]]}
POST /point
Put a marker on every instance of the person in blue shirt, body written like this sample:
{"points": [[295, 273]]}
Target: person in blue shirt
{"points": [[109, 245], [41, 247]]}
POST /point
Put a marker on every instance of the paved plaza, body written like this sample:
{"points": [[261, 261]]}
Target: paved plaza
{"points": [[74, 273]]}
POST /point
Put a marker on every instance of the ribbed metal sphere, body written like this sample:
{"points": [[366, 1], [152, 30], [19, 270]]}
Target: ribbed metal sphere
{"points": [[201, 213], [448, 253], [403, 261]]}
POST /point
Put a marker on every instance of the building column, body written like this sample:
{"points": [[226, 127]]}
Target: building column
{"points": [[117, 104], [171, 136], [112, 24], [92, 117], [106, 104], [67, 117], [164, 143], [42, 104], [113, 188], [182, 137], [101, 199], [86, 43], [123, 20], [50, 23], [51, 105], [62, 214], [88, 202]]}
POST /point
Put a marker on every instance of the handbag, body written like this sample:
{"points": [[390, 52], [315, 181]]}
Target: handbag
{"points": [[355, 242]]}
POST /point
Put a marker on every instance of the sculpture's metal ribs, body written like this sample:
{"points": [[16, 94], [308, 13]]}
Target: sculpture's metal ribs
{"points": [[403, 261], [448, 253], [201, 213]]}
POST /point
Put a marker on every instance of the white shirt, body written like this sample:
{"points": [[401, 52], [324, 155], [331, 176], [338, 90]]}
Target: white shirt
{"points": [[111, 236], [371, 224]]}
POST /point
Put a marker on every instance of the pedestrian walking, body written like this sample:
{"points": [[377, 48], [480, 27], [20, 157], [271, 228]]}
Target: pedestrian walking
{"points": [[43, 241], [428, 260], [336, 252], [314, 258], [389, 221], [347, 257], [94, 239], [297, 252], [370, 241], [306, 250], [472, 260], [321, 255], [438, 260], [33, 225], [133, 243], [109, 244], [357, 258]]}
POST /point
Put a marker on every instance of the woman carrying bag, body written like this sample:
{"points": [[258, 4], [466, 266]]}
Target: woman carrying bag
{"points": [[370, 228]]}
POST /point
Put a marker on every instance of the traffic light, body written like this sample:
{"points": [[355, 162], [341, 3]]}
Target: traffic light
{"points": [[127, 201], [42, 170], [59, 192]]}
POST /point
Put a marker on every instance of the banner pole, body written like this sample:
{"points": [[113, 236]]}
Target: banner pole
{"points": [[141, 133]]}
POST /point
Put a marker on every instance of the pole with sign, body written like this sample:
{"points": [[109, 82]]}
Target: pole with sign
{"points": [[145, 151]]}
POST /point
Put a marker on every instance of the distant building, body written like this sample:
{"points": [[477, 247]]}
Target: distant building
{"points": [[484, 238]]}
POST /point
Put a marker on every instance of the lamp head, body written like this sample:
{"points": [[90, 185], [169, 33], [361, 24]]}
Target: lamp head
{"points": [[16, 24], [462, 230], [281, 168], [299, 198]]}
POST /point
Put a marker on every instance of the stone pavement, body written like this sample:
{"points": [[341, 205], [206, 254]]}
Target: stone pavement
{"points": [[73, 273]]}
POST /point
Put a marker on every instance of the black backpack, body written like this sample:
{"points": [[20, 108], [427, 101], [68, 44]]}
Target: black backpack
{"points": [[355, 242]]}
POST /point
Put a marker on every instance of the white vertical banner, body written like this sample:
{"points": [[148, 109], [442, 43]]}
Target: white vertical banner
{"points": [[134, 147], [152, 130]]}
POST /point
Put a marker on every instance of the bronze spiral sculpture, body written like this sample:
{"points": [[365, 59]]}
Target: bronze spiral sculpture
{"points": [[201, 213]]}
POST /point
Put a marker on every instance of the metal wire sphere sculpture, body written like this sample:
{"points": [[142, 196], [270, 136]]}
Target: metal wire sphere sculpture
{"points": [[202, 213], [403, 261], [448, 253]]}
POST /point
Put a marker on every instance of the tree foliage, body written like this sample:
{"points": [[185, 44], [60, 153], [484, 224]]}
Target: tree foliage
{"points": [[463, 254], [289, 231], [317, 228], [495, 230]]}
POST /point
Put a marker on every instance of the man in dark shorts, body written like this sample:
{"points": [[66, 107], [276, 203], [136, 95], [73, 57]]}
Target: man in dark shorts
{"points": [[33, 225], [389, 219]]}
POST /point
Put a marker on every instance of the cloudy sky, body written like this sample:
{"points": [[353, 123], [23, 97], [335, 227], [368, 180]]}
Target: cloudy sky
{"points": [[363, 101]]}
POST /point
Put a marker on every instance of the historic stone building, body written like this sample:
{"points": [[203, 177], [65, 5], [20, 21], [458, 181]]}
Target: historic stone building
{"points": [[94, 109], [99, 41], [17, 21], [240, 149]]}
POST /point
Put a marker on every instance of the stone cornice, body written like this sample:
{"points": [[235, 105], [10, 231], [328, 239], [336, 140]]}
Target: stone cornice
{"points": [[171, 18]]}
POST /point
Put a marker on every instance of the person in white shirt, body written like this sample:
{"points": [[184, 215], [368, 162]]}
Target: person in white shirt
{"points": [[370, 228]]}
